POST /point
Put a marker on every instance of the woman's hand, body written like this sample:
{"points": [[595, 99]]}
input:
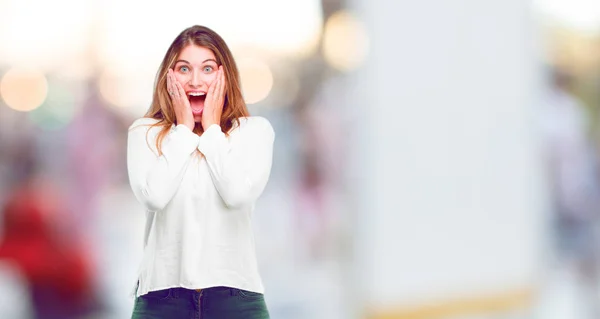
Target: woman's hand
{"points": [[181, 104], [215, 98]]}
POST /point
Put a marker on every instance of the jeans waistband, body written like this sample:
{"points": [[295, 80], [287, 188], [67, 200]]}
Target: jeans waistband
{"points": [[216, 291]]}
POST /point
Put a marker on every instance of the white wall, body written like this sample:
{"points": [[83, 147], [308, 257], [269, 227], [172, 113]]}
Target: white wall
{"points": [[451, 197]]}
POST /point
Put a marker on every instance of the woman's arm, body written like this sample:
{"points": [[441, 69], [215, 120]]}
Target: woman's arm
{"points": [[239, 167], [154, 179]]}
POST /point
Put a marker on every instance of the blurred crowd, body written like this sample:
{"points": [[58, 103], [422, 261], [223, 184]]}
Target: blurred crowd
{"points": [[572, 156]]}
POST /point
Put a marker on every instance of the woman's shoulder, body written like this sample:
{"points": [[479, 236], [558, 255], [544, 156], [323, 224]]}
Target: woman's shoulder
{"points": [[143, 121], [253, 122], [254, 127], [144, 128]]}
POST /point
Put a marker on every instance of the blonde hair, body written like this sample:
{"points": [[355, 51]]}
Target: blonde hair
{"points": [[161, 108]]}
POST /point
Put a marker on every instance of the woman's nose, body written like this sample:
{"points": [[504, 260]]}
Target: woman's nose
{"points": [[195, 80]]}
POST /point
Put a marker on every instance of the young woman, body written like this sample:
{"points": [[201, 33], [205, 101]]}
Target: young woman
{"points": [[198, 162]]}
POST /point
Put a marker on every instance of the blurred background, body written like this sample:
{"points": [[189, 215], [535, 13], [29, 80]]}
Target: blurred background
{"points": [[433, 159]]}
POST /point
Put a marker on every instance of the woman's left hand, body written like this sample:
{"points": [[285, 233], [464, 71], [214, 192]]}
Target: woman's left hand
{"points": [[215, 98]]}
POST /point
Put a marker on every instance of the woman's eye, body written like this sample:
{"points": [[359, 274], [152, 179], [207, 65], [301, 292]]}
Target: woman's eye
{"points": [[208, 69], [184, 69]]}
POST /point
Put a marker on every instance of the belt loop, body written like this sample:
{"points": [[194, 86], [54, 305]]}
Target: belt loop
{"points": [[232, 291]]}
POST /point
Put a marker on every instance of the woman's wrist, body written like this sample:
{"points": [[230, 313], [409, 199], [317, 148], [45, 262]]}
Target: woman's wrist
{"points": [[189, 125], [206, 124]]}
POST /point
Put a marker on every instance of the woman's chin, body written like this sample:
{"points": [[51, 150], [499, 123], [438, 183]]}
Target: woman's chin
{"points": [[197, 114]]}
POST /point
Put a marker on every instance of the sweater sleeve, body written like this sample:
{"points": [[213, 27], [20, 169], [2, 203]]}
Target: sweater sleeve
{"points": [[154, 179], [241, 164]]}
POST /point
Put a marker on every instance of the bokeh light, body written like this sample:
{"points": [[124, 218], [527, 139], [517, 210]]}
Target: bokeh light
{"points": [[23, 89], [286, 86], [345, 41], [257, 79], [125, 90], [57, 111], [109, 85]]}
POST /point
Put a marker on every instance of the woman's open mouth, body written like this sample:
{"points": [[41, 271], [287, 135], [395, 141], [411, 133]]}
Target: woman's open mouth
{"points": [[197, 101]]}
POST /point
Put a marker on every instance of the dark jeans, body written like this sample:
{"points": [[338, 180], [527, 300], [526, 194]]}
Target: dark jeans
{"points": [[210, 303]]}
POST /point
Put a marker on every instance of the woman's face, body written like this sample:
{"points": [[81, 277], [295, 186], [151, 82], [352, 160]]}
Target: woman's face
{"points": [[195, 69]]}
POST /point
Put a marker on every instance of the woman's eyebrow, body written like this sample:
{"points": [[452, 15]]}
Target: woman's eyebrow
{"points": [[184, 61]]}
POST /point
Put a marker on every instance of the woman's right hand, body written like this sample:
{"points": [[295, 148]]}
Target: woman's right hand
{"points": [[181, 104]]}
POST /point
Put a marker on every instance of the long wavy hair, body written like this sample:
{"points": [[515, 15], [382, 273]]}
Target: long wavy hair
{"points": [[162, 108]]}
